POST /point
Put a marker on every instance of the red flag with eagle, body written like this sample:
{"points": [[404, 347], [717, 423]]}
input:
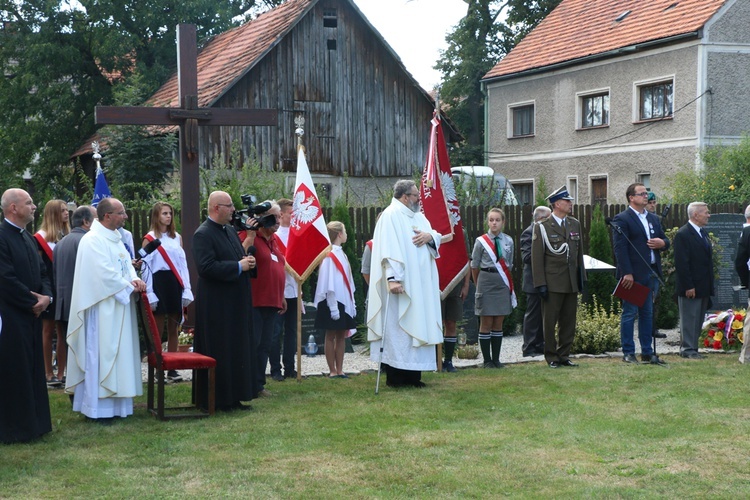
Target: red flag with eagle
{"points": [[440, 206], [308, 236]]}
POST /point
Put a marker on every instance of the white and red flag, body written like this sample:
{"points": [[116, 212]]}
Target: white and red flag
{"points": [[440, 206], [308, 236]]}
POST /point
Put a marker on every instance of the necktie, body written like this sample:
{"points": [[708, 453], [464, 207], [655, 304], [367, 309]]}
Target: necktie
{"points": [[562, 223], [498, 248], [705, 239]]}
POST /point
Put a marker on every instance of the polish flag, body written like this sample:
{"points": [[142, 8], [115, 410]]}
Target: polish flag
{"points": [[308, 236], [440, 206]]}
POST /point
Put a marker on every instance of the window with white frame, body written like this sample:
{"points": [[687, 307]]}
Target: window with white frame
{"points": [[594, 110], [655, 100], [521, 120], [645, 179], [573, 187]]}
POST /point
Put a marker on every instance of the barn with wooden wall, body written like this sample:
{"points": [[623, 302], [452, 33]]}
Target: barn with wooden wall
{"points": [[365, 115]]}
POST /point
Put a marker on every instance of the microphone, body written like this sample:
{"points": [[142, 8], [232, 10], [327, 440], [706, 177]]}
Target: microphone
{"points": [[149, 248], [608, 221], [253, 271], [666, 210]]}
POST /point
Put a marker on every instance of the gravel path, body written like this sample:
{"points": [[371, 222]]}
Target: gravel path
{"points": [[359, 360]]}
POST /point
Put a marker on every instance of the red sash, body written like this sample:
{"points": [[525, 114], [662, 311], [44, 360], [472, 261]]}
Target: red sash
{"points": [[44, 245], [502, 263], [369, 244], [340, 267], [281, 244], [163, 253]]}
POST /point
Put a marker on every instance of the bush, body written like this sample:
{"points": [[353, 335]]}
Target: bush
{"points": [[600, 284], [597, 329]]}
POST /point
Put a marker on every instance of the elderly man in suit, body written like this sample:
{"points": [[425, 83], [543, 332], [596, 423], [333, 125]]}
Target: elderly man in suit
{"points": [[533, 334], [559, 276], [638, 243], [693, 262]]}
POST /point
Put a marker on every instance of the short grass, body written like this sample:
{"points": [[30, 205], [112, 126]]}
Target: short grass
{"points": [[604, 429]]}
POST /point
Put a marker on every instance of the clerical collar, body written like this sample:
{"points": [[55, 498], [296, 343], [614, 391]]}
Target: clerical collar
{"points": [[18, 227]]}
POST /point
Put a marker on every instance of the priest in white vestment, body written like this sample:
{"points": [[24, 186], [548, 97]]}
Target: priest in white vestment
{"points": [[104, 368], [403, 308]]}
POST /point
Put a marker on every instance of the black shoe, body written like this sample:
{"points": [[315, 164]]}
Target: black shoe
{"points": [[290, 374], [554, 364], [568, 363], [419, 384], [531, 354], [174, 376], [448, 367], [239, 406], [692, 355], [630, 358], [277, 377], [658, 335], [498, 364], [652, 359], [489, 364]]}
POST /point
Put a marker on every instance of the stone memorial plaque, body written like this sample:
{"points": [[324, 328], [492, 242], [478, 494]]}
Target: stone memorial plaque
{"points": [[727, 228]]}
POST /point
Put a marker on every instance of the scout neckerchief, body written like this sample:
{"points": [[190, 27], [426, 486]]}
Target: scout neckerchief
{"points": [[502, 267]]}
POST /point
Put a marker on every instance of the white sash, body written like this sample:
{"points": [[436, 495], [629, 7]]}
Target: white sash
{"points": [[490, 248]]}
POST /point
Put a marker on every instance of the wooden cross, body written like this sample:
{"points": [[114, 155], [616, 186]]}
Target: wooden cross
{"points": [[189, 117]]}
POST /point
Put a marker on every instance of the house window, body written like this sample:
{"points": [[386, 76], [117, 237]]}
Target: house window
{"points": [[645, 179], [330, 19], [573, 187], [522, 120], [655, 100], [599, 190], [595, 110], [524, 191]]}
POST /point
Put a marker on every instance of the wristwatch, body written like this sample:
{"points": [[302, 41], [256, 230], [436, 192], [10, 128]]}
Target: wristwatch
{"points": [[51, 299]]}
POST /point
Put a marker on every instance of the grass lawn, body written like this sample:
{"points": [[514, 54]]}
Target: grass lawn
{"points": [[604, 429]]}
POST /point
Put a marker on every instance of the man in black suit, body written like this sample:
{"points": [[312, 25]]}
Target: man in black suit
{"points": [[743, 252], [638, 243], [533, 334], [25, 291], [223, 324], [693, 261]]}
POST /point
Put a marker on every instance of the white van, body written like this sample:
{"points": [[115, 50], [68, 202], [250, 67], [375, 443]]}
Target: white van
{"points": [[483, 186]]}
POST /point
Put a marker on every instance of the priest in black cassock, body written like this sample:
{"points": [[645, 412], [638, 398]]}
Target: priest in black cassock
{"points": [[25, 292], [223, 327]]}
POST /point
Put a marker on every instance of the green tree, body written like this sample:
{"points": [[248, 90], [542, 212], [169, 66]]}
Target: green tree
{"points": [[600, 284], [60, 59], [723, 179], [490, 29]]}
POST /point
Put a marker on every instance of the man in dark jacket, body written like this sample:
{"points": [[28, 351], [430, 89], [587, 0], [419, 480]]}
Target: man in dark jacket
{"points": [[638, 243], [533, 334], [693, 261]]}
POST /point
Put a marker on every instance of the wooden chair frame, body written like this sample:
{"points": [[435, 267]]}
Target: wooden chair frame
{"points": [[160, 362]]}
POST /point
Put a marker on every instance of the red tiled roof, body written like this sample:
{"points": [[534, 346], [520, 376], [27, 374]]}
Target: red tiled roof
{"points": [[228, 56], [580, 28]]}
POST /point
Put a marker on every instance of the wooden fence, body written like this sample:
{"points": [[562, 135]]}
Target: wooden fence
{"points": [[517, 219]]}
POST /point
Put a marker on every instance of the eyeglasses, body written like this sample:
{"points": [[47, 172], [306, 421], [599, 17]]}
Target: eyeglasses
{"points": [[645, 193], [228, 205], [118, 213]]}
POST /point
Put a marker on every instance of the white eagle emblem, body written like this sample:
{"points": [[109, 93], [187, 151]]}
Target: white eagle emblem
{"points": [[449, 192], [303, 210]]}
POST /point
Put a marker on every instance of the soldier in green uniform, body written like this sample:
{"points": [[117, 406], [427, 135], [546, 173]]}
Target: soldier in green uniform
{"points": [[559, 276]]}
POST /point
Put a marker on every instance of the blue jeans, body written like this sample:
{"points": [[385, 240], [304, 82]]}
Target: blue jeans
{"points": [[645, 315]]}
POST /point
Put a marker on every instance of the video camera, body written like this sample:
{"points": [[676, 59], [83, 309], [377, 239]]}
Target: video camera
{"points": [[244, 220]]}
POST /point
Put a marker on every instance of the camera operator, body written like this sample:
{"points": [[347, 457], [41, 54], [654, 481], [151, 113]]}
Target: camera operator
{"points": [[267, 285]]}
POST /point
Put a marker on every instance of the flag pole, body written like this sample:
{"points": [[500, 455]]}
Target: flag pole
{"points": [[299, 331]]}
